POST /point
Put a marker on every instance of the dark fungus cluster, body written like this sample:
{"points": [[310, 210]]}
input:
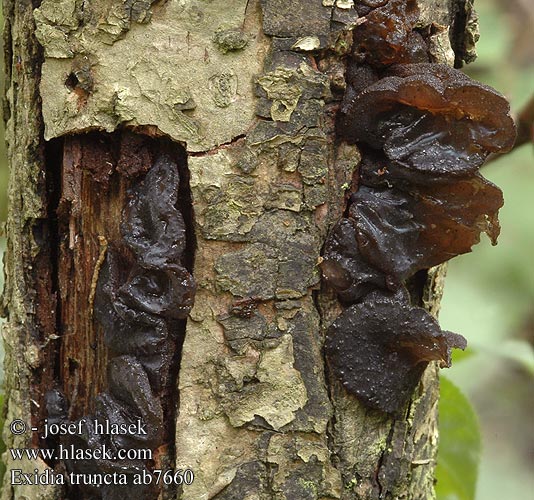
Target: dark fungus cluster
{"points": [[424, 130], [138, 302]]}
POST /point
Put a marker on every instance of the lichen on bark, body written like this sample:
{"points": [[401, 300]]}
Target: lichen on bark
{"points": [[28, 300], [175, 76]]}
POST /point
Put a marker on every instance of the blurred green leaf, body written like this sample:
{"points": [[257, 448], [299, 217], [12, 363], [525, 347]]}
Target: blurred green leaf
{"points": [[519, 351], [458, 355], [459, 446]]}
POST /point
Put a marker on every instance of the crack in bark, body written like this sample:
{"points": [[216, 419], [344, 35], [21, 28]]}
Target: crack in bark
{"points": [[224, 145]]}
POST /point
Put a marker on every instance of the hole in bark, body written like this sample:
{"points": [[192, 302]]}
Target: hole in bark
{"points": [[72, 81]]}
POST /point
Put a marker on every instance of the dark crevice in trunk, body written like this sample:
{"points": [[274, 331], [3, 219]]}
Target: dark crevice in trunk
{"points": [[171, 405], [122, 273], [54, 158], [330, 429], [47, 235], [460, 13], [231, 142]]}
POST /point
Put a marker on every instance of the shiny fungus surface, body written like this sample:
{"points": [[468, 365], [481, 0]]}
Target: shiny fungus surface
{"points": [[387, 231], [386, 34], [430, 119], [152, 225], [401, 231], [380, 347], [343, 267]]}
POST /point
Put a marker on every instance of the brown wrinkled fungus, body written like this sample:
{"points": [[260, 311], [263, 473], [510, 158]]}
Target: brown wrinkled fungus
{"points": [[423, 130], [142, 294], [430, 120], [386, 35], [343, 267], [379, 348]]}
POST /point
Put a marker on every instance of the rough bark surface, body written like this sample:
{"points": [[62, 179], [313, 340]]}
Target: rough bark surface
{"points": [[249, 88], [29, 299]]}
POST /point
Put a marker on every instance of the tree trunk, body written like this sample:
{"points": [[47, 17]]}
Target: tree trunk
{"points": [[243, 94]]}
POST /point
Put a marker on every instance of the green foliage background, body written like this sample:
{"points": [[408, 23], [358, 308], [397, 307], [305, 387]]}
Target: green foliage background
{"points": [[459, 447], [489, 294]]}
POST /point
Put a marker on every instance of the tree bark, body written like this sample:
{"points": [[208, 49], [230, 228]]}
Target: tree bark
{"points": [[250, 90]]}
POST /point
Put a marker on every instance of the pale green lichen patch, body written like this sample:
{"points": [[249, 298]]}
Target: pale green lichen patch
{"points": [[433, 11], [228, 203], [312, 165], [302, 468], [223, 87], [472, 34], [288, 157], [250, 272], [315, 196], [47, 490], [233, 211], [209, 173], [344, 4], [285, 197], [230, 40], [240, 370], [285, 87], [464, 31], [440, 45], [150, 79], [251, 335], [282, 88], [276, 394], [68, 27], [307, 44], [205, 106], [55, 20], [119, 17], [308, 449], [230, 207]]}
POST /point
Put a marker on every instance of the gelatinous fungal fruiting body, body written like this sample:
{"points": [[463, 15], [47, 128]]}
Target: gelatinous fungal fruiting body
{"points": [[424, 131], [142, 290], [380, 347]]}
